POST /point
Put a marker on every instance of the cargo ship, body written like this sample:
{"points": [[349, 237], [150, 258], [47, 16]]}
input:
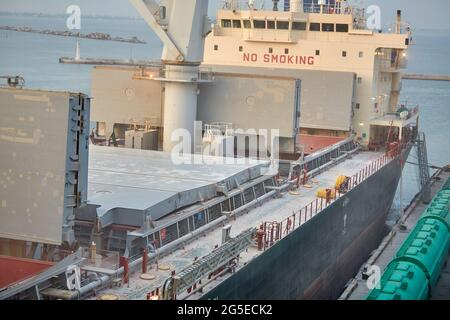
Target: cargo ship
{"points": [[298, 145]]}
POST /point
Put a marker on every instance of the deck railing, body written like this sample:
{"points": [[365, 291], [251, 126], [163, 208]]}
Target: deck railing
{"points": [[317, 160], [336, 8], [199, 217], [275, 231]]}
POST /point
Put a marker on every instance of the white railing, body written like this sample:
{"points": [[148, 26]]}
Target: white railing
{"points": [[336, 8], [219, 129], [274, 231]]}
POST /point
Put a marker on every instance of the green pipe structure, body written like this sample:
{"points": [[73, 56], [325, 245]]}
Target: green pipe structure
{"points": [[417, 266]]}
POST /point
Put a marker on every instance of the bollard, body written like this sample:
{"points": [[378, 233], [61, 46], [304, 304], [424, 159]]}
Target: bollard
{"points": [[144, 260], [288, 225], [123, 261], [260, 238], [328, 197], [93, 252]]}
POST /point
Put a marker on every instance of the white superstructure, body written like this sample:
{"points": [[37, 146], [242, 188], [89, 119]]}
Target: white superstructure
{"points": [[310, 70], [319, 38]]}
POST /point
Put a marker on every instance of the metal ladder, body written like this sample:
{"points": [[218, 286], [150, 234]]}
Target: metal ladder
{"points": [[424, 171]]}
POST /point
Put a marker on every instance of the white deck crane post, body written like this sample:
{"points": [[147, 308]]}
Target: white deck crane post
{"points": [[182, 26]]}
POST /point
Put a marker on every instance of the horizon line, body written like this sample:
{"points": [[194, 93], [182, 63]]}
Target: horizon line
{"points": [[137, 16]]}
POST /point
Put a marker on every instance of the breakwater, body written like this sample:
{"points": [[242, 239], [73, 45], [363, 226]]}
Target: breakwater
{"points": [[92, 36], [421, 76]]}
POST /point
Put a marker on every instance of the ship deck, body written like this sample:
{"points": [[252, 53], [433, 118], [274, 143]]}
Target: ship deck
{"points": [[381, 257], [276, 209]]}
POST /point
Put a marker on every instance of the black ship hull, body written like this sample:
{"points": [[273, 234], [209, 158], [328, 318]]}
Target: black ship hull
{"points": [[318, 259]]}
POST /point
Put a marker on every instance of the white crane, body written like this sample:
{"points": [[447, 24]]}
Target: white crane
{"points": [[182, 26]]}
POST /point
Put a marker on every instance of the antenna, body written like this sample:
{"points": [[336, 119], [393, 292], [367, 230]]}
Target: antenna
{"points": [[231, 4], [321, 3], [275, 5], [293, 5], [398, 25], [253, 4]]}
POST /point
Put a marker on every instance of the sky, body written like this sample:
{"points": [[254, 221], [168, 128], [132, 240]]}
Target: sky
{"points": [[427, 14]]}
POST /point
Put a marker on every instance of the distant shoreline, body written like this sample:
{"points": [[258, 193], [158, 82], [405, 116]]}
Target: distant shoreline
{"points": [[49, 15], [92, 36], [422, 76]]}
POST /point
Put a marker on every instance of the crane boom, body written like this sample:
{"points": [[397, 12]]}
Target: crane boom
{"points": [[182, 26], [151, 13]]}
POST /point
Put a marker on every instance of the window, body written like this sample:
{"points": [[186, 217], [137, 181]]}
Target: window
{"points": [[270, 50], [241, 49], [247, 24], [286, 51], [317, 52], [283, 25], [314, 27], [361, 54], [327, 27], [270, 24], [259, 24], [344, 54], [163, 13], [299, 26], [359, 80], [226, 23], [216, 47], [358, 106], [341, 27], [237, 24]]}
